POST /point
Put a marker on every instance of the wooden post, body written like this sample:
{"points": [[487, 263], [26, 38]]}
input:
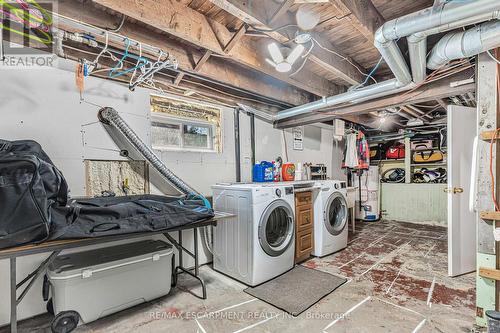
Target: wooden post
{"points": [[407, 161], [487, 120]]}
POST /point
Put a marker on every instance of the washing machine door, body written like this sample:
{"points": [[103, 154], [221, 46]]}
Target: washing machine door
{"points": [[336, 214], [276, 228]]}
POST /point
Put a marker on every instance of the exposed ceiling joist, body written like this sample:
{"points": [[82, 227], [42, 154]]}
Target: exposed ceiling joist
{"points": [[410, 111], [442, 103], [217, 69], [280, 11], [232, 42], [364, 16], [189, 25], [203, 60], [235, 39], [259, 13], [429, 92]]}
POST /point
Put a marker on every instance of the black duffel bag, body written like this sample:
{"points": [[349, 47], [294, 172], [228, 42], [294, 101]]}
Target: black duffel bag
{"points": [[106, 216], [30, 185]]}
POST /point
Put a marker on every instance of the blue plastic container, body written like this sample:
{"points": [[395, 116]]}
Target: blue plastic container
{"points": [[263, 172]]}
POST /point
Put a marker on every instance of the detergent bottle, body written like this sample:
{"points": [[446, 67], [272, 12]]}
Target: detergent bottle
{"points": [[263, 172], [276, 171], [288, 172]]}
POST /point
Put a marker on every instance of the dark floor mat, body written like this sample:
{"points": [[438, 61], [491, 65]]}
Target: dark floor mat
{"points": [[297, 290]]}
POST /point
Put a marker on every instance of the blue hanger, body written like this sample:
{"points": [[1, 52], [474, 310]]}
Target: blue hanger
{"points": [[115, 71]]}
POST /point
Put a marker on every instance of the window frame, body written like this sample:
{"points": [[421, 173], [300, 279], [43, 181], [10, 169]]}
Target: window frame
{"points": [[167, 119]]}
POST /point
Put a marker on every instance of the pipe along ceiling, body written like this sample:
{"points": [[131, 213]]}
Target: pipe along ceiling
{"points": [[416, 27]]}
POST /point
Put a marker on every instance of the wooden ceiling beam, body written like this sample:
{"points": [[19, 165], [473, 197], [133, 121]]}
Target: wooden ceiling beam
{"points": [[432, 91], [364, 15], [442, 103], [285, 6], [235, 39], [256, 13], [193, 27], [196, 68], [217, 69]]}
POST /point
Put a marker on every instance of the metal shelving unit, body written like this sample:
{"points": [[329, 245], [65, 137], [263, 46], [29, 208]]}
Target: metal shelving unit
{"points": [[409, 165]]}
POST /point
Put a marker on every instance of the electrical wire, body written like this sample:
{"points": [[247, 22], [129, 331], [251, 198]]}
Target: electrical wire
{"points": [[116, 29], [274, 30], [493, 195], [301, 67], [119, 27], [370, 75], [305, 57], [285, 144], [493, 57], [340, 56]]}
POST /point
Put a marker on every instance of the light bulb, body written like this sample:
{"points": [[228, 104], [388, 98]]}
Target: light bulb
{"points": [[295, 54], [275, 52], [307, 19]]}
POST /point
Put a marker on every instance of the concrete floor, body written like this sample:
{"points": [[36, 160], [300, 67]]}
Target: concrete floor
{"points": [[397, 283]]}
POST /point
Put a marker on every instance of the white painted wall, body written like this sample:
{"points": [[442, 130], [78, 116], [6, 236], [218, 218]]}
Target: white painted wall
{"points": [[44, 105]]}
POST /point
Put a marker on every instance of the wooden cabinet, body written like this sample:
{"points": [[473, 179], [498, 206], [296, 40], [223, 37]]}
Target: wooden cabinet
{"points": [[304, 226]]}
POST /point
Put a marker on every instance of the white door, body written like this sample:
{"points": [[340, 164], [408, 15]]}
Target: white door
{"points": [[461, 222]]}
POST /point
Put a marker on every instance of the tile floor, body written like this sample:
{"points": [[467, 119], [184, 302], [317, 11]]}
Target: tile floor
{"points": [[397, 283]]}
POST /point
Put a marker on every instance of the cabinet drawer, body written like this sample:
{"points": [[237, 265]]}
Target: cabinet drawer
{"points": [[305, 217], [303, 198], [304, 245]]}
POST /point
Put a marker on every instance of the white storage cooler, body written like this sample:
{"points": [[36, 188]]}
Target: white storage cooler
{"points": [[100, 282]]}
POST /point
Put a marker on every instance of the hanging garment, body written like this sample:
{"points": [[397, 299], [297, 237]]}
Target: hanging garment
{"points": [[363, 150], [350, 154]]}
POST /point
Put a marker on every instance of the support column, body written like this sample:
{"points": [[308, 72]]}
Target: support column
{"points": [[407, 161], [487, 120]]}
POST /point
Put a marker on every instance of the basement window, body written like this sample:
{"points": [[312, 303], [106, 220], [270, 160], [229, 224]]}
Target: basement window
{"points": [[180, 125]]}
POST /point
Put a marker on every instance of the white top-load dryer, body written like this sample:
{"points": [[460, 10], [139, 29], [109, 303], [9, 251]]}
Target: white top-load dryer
{"points": [[259, 243], [331, 230]]}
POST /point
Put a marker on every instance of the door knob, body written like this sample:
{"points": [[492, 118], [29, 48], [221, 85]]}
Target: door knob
{"points": [[454, 190]]}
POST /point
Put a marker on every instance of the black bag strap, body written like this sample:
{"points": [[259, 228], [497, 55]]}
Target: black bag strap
{"points": [[103, 227], [75, 211], [62, 193], [5, 145], [431, 152]]}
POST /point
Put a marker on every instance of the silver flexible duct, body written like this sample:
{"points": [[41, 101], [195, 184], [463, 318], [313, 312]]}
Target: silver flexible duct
{"points": [[111, 117], [463, 44], [417, 43]]}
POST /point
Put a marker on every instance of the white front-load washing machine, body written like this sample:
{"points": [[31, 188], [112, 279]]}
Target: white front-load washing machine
{"points": [[259, 243], [331, 230]]}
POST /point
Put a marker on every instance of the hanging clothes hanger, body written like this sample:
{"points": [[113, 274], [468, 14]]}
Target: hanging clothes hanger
{"points": [[115, 71]]}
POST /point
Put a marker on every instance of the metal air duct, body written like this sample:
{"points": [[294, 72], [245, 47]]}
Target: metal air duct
{"points": [[463, 44], [111, 117], [428, 21]]}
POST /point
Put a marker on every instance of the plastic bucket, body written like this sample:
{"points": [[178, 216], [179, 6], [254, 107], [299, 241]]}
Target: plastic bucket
{"points": [[493, 318]]}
